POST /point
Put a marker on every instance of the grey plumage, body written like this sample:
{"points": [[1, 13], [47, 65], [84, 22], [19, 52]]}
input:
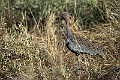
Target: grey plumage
{"points": [[77, 44]]}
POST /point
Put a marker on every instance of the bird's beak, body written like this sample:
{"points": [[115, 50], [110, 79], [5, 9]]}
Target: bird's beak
{"points": [[60, 15]]}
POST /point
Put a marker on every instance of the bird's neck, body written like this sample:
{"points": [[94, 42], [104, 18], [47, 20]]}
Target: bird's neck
{"points": [[69, 33]]}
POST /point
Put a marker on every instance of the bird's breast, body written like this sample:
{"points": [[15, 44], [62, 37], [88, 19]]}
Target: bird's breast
{"points": [[71, 46]]}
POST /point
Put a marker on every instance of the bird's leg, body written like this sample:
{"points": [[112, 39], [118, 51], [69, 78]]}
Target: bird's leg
{"points": [[79, 66], [85, 60], [78, 63]]}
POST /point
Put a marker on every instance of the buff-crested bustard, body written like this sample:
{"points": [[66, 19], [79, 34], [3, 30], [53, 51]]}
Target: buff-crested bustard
{"points": [[77, 44]]}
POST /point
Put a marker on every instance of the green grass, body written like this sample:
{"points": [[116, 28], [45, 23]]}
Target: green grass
{"points": [[32, 39]]}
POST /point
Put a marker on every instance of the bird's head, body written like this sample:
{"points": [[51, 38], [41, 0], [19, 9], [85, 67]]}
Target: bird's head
{"points": [[66, 17]]}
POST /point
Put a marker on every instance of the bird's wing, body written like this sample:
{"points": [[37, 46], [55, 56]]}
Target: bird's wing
{"points": [[85, 46]]}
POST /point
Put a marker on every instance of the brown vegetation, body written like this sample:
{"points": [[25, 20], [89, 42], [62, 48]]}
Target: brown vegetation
{"points": [[32, 40]]}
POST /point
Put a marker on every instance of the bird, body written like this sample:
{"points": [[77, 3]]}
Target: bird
{"points": [[78, 44]]}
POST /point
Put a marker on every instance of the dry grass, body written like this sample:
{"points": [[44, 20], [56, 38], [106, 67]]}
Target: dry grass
{"points": [[41, 54]]}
